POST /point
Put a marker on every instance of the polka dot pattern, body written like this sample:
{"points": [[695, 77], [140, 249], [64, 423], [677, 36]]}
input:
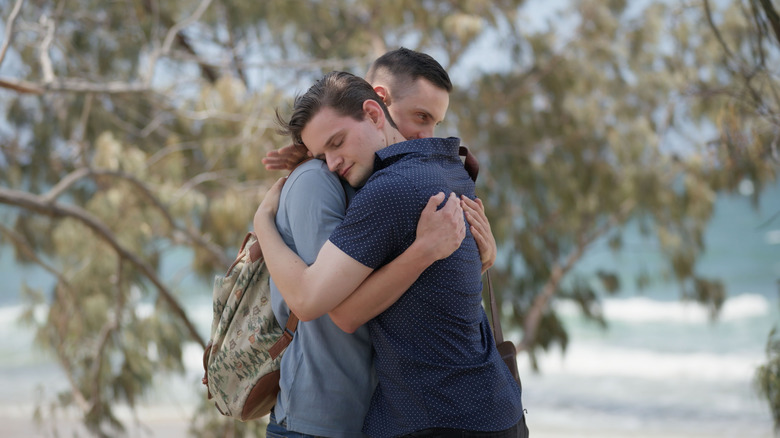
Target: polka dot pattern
{"points": [[435, 356]]}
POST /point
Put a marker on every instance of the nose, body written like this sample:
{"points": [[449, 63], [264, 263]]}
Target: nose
{"points": [[425, 133], [334, 162]]}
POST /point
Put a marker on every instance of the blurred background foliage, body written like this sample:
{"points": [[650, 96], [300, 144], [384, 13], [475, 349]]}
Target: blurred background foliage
{"points": [[134, 128]]}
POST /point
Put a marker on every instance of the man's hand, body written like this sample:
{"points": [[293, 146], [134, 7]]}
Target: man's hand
{"points": [[441, 232], [480, 229], [285, 158], [270, 204]]}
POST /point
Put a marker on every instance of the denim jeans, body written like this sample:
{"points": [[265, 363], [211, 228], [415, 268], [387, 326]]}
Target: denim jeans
{"points": [[276, 430], [519, 430]]}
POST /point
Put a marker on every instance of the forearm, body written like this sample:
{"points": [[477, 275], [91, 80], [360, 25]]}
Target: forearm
{"points": [[305, 294], [382, 288], [439, 233]]}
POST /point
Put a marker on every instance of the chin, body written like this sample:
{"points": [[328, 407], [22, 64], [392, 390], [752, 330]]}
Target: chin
{"points": [[360, 182]]}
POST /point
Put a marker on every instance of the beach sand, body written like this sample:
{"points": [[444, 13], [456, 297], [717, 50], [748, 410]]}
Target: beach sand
{"points": [[162, 422]]}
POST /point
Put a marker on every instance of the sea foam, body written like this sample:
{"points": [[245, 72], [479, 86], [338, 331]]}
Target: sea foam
{"points": [[590, 359], [647, 310]]}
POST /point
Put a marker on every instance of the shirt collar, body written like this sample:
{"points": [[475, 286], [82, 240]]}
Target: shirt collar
{"points": [[428, 146]]}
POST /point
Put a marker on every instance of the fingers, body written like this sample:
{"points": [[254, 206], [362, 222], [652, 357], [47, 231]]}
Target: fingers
{"points": [[280, 182], [271, 164], [434, 201], [453, 204], [274, 161], [454, 210], [285, 158], [473, 203], [475, 213], [480, 229]]}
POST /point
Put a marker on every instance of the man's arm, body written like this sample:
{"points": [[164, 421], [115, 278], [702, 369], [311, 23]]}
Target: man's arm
{"points": [[441, 230], [311, 291]]}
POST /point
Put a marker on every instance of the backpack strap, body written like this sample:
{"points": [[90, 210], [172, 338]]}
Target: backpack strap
{"points": [[471, 164], [498, 334], [287, 336], [506, 349]]}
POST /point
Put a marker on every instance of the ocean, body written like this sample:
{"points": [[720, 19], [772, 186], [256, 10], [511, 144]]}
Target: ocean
{"points": [[661, 368]]}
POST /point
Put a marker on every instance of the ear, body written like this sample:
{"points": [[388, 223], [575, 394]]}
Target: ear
{"points": [[384, 93], [374, 112]]}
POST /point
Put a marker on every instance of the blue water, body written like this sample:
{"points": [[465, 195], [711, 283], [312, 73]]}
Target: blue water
{"points": [[663, 367]]}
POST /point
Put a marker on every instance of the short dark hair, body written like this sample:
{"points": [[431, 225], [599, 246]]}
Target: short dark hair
{"points": [[341, 91], [405, 66]]}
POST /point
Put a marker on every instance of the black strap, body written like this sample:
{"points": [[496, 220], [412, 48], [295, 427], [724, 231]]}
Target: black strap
{"points": [[498, 334], [471, 164]]}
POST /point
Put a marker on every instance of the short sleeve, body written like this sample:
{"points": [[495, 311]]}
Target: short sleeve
{"points": [[315, 202], [381, 220]]}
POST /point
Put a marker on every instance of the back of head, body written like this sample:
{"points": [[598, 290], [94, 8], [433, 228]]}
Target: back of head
{"points": [[341, 91], [401, 67]]}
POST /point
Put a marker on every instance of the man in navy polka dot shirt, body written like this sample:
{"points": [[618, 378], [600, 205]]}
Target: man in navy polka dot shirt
{"points": [[438, 369]]}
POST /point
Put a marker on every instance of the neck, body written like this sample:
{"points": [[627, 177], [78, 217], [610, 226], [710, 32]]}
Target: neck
{"points": [[394, 136]]}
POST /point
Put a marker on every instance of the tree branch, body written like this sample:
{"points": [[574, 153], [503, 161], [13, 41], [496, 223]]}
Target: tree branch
{"points": [[48, 70], [9, 29], [22, 246], [20, 86], [708, 14], [105, 334], [173, 33], [78, 396], [231, 44], [533, 317], [72, 85], [57, 210], [70, 179], [772, 16]]}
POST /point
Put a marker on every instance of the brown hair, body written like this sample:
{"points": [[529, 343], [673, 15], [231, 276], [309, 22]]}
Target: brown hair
{"points": [[341, 91]]}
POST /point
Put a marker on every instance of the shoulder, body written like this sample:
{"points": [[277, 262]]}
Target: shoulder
{"points": [[311, 176], [312, 169], [394, 177], [312, 182], [388, 196], [388, 185]]}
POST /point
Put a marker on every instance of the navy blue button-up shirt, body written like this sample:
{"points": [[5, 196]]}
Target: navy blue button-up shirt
{"points": [[435, 359]]}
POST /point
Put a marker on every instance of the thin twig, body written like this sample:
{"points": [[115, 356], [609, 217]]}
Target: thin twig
{"points": [[70, 179], [78, 135], [23, 247], [9, 29], [105, 335], [172, 34], [48, 70], [772, 16], [708, 14]]}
